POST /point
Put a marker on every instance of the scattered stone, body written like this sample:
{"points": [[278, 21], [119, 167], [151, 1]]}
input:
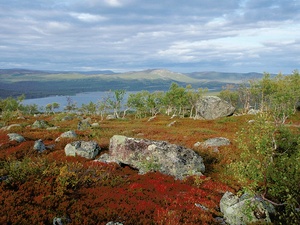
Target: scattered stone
{"points": [[110, 117], [253, 112], [40, 124], [151, 118], [86, 149], [172, 123], [84, 124], [16, 137], [67, 118], [61, 221], [244, 210], [251, 121], [67, 134], [146, 155], [220, 220], [11, 126], [114, 223], [216, 142], [173, 116], [106, 158], [95, 125], [212, 107], [213, 143], [201, 206], [51, 128], [39, 145]]}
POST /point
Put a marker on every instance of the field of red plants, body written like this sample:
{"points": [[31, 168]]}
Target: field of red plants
{"points": [[37, 187]]}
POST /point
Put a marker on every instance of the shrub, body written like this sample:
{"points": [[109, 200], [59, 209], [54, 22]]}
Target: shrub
{"points": [[269, 165]]}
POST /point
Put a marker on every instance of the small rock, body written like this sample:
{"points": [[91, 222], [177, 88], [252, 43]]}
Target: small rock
{"points": [[173, 116], [39, 146], [67, 118], [114, 223], [151, 118], [106, 158], [61, 221], [253, 112], [213, 142], [95, 125], [201, 206], [40, 124], [15, 137], [13, 126], [67, 134], [84, 124], [172, 124], [51, 128], [110, 117]]}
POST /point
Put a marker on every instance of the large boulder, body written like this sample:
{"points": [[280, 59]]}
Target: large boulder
{"points": [[244, 210], [212, 107], [146, 155], [86, 149]]}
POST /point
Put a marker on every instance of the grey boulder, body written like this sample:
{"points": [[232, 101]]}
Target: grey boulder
{"points": [[40, 124], [15, 137], [67, 134], [39, 146], [244, 210], [146, 155], [212, 107], [86, 149]]}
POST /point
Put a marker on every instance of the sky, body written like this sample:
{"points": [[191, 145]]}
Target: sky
{"points": [[131, 35]]}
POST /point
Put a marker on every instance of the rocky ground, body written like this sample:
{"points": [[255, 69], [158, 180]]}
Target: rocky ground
{"points": [[65, 168]]}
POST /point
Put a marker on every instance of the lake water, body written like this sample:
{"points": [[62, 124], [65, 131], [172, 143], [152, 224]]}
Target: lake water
{"points": [[79, 99]]}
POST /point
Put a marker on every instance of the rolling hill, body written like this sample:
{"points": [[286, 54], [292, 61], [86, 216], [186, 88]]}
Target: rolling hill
{"points": [[36, 83]]}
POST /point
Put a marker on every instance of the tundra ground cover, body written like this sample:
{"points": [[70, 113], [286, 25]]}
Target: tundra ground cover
{"points": [[36, 187]]}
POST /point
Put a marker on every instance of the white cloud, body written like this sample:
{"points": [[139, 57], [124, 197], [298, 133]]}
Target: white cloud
{"points": [[87, 17], [140, 33], [114, 3]]}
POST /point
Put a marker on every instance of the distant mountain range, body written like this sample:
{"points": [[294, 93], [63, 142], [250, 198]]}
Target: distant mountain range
{"points": [[36, 83]]}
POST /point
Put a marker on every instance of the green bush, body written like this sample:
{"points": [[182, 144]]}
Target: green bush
{"points": [[269, 166]]}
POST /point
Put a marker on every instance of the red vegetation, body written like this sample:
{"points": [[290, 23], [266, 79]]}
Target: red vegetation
{"points": [[36, 187]]}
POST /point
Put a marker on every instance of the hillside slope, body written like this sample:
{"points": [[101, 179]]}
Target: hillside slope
{"points": [[34, 83]]}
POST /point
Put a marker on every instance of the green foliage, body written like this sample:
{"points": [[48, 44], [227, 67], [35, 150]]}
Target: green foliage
{"points": [[269, 164], [89, 109], [20, 171], [145, 103], [115, 100], [10, 106], [71, 105], [229, 94]]}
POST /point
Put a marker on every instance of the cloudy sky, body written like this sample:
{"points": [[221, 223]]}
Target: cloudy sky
{"points": [[124, 35]]}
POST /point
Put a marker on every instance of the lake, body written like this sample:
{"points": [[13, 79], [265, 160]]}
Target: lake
{"points": [[79, 99]]}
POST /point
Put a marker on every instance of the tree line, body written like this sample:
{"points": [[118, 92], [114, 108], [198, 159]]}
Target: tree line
{"points": [[279, 94]]}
